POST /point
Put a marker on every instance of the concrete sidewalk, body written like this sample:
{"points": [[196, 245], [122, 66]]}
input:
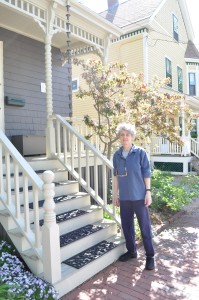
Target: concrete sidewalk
{"points": [[176, 275]]}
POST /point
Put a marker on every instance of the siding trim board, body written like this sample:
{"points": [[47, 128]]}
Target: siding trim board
{"points": [[129, 34]]}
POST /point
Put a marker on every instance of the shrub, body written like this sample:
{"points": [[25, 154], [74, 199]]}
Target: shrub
{"points": [[172, 195]]}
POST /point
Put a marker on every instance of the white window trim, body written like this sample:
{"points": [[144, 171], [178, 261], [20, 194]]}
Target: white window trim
{"points": [[196, 81], [166, 57], [182, 77], [174, 15]]}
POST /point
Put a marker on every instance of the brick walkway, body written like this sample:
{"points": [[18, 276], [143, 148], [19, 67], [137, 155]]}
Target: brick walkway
{"points": [[176, 275]]}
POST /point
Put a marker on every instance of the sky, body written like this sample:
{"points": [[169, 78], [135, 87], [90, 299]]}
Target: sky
{"points": [[193, 8]]}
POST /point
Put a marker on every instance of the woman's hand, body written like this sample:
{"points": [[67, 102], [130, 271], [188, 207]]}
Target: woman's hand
{"points": [[116, 201], [148, 199]]}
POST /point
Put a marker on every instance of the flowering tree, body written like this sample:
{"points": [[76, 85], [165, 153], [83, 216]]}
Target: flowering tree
{"points": [[120, 96]]}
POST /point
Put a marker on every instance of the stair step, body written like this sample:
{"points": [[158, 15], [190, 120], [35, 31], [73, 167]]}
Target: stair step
{"points": [[57, 199], [85, 257], [62, 183], [4, 212], [16, 232], [77, 234], [67, 215], [30, 253]]}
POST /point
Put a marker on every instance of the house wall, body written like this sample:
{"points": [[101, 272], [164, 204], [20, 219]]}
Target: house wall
{"points": [[82, 107], [24, 71], [130, 51], [161, 44]]}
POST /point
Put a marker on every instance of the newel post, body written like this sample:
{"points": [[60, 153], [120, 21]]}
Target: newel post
{"points": [[50, 232]]}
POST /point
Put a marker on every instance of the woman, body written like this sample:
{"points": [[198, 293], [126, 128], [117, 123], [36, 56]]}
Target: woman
{"points": [[132, 180]]}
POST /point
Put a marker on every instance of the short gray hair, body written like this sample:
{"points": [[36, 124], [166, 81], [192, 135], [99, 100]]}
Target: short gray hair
{"points": [[126, 126]]}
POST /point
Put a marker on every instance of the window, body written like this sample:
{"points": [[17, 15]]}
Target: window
{"points": [[180, 80], [168, 70], [175, 28], [192, 84], [194, 128], [75, 85]]}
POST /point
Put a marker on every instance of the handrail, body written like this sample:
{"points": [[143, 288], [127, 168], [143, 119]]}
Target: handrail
{"points": [[11, 195], [69, 144]]}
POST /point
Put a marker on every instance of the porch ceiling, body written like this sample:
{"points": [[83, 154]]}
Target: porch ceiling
{"points": [[24, 20]]}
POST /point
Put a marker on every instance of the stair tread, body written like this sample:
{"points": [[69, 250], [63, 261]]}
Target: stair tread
{"points": [[59, 199], [85, 257], [68, 215], [75, 235], [30, 253], [4, 212]]}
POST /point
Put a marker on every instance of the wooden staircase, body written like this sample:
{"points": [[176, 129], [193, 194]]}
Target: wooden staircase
{"points": [[88, 242]]}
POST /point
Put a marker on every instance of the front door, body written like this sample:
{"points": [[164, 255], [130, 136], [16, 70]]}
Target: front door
{"points": [[2, 125]]}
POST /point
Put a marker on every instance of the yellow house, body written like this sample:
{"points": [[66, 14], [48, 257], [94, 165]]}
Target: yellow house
{"points": [[157, 40]]}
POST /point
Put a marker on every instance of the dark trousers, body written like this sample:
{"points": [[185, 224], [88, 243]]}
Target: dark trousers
{"points": [[127, 211]]}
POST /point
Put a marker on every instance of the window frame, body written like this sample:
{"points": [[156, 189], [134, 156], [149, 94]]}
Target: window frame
{"points": [[168, 65], [192, 85], [175, 27], [180, 80]]}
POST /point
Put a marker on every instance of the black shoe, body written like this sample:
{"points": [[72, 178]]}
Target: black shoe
{"points": [[149, 263], [128, 255]]}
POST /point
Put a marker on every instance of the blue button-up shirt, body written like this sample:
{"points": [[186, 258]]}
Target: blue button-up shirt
{"points": [[137, 167]]}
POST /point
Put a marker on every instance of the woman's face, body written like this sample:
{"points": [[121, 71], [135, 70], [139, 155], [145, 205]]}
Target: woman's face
{"points": [[126, 138]]}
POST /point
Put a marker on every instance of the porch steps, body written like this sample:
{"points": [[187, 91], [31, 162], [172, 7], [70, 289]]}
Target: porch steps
{"points": [[83, 231]]}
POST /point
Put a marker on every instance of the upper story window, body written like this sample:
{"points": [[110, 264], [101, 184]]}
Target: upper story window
{"points": [[175, 28], [168, 70], [180, 79], [192, 84]]}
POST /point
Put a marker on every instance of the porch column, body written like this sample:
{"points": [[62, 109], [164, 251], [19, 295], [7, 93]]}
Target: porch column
{"points": [[106, 49], [197, 126], [186, 149], [145, 56], [2, 125], [50, 131]]}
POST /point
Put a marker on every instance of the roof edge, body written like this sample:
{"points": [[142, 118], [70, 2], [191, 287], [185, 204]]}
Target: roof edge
{"points": [[95, 18]]}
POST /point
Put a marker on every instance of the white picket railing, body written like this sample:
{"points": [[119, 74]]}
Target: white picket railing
{"points": [[16, 176], [195, 147], [71, 150], [160, 145], [86, 132], [10, 192]]}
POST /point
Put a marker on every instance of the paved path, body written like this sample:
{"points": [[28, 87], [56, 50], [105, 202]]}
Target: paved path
{"points": [[176, 275]]}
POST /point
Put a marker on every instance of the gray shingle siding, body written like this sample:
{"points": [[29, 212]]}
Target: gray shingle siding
{"points": [[24, 70]]}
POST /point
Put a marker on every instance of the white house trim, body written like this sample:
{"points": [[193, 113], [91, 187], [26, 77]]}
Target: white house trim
{"points": [[2, 125], [145, 57]]}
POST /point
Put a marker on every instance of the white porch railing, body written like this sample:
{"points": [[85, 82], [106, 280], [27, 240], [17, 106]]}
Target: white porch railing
{"points": [[86, 131], [160, 145], [194, 147], [16, 176], [72, 150]]}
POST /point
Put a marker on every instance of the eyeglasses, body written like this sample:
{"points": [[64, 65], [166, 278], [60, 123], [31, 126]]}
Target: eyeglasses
{"points": [[123, 175]]}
